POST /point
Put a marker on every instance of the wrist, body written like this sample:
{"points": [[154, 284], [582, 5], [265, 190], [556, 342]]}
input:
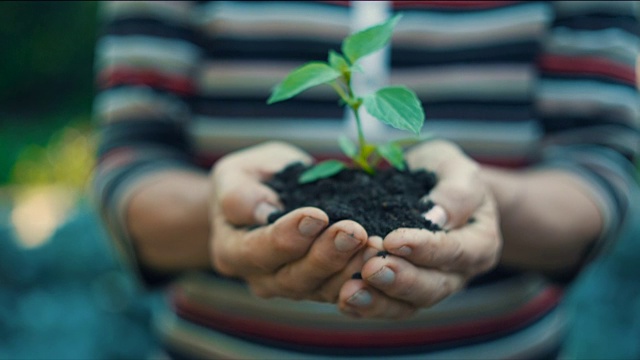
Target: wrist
{"points": [[168, 221]]}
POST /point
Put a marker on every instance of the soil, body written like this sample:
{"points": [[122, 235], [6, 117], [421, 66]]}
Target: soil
{"points": [[381, 203]]}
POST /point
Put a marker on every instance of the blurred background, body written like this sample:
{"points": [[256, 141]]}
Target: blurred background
{"points": [[63, 293]]}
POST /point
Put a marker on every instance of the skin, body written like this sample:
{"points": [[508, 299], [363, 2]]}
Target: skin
{"points": [[535, 220]]}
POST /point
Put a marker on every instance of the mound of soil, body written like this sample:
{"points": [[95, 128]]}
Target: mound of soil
{"points": [[381, 203]]}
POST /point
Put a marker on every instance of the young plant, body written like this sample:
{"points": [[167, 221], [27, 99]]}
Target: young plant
{"points": [[396, 106]]}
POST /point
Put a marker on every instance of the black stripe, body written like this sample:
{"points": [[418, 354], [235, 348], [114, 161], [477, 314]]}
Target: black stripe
{"points": [[135, 132], [559, 123], [314, 49], [601, 22], [481, 111], [586, 77], [268, 49], [258, 108], [307, 108], [514, 52], [150, 27]]}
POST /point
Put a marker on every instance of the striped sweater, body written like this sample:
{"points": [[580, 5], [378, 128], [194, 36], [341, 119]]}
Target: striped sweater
{"points": [[515, 84]]}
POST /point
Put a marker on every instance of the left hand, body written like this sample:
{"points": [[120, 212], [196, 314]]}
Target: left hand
{"points": [[425, 267], [299, 256]]}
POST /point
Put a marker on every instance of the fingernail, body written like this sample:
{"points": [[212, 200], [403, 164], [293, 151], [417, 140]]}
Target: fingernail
{"points": [[360, 298], [384, 276], [402, 251], [262, 212], [310, 226], [345, 242], [437, 215]]}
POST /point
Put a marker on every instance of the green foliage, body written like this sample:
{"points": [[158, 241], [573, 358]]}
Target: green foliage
{"points": [[396, 106], [46, 69], [368, 41], [303, 78], [323, 170], [47, 56], [393, 153]]}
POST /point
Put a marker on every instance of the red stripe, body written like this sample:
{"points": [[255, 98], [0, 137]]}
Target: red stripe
{"points": [[116, 158], [129, 76], [588, 66], [246, 326]]}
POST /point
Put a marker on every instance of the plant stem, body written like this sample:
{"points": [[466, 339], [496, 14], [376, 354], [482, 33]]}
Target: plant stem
{"points": [[354, 104], [343, 95]]}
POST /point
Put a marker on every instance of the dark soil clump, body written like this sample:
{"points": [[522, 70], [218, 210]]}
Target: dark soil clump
{"points": [[381, 203]]}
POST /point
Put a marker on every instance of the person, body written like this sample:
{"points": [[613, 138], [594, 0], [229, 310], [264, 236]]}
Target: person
{"points": [[536, 112]]}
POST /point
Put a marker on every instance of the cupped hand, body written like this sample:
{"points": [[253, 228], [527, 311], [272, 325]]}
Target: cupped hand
{"points": [[422, 267], [298, 256]]}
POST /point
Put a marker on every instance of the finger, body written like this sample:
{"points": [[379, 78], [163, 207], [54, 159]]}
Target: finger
{"points": [[455, 199], [330, 289], [459, 191], [238, 252], [238, 181], [359, 300], [267, 286], [471, 249], [399, 279], [248, 202], [328, 255]]}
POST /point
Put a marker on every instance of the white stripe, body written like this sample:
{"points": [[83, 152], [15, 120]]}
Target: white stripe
{"points": [[477, 82], [221, 135], [613, 43], [498, 139], [178, 12], [490, 26], [138, 102], [273, 19], [250, 77], [171, 55], [587, 98]]}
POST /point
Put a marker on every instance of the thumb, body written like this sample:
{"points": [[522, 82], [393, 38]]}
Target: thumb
{"points": [[249, 203]]}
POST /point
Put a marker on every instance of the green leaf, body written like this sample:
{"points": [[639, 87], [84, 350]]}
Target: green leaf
{"points": [[397, 106], [322, 170], [393, 153], [338, 62], [369, 40], [348, 147], [301, 79]]}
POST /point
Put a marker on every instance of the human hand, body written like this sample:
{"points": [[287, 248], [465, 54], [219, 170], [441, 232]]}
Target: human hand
{"points": [[298, 256], [425, 267]]}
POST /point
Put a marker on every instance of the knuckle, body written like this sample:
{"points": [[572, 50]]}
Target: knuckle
{"points": [[458, 256], [326, 263], [296, 290], [406, 286], [259, 290], [328, 295], [222, 265]]}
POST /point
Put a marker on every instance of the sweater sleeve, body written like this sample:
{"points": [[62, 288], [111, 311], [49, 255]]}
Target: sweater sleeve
{"points": [[146, 55], [587, 100]]}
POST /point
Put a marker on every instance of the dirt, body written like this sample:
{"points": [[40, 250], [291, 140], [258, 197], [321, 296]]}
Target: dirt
{"points": [[381, 203]]}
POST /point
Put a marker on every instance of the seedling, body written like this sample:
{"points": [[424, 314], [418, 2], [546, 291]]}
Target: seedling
{"points": [[397, 106]]}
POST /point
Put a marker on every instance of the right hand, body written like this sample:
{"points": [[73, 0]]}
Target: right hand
{"points": [[299, 256]]}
